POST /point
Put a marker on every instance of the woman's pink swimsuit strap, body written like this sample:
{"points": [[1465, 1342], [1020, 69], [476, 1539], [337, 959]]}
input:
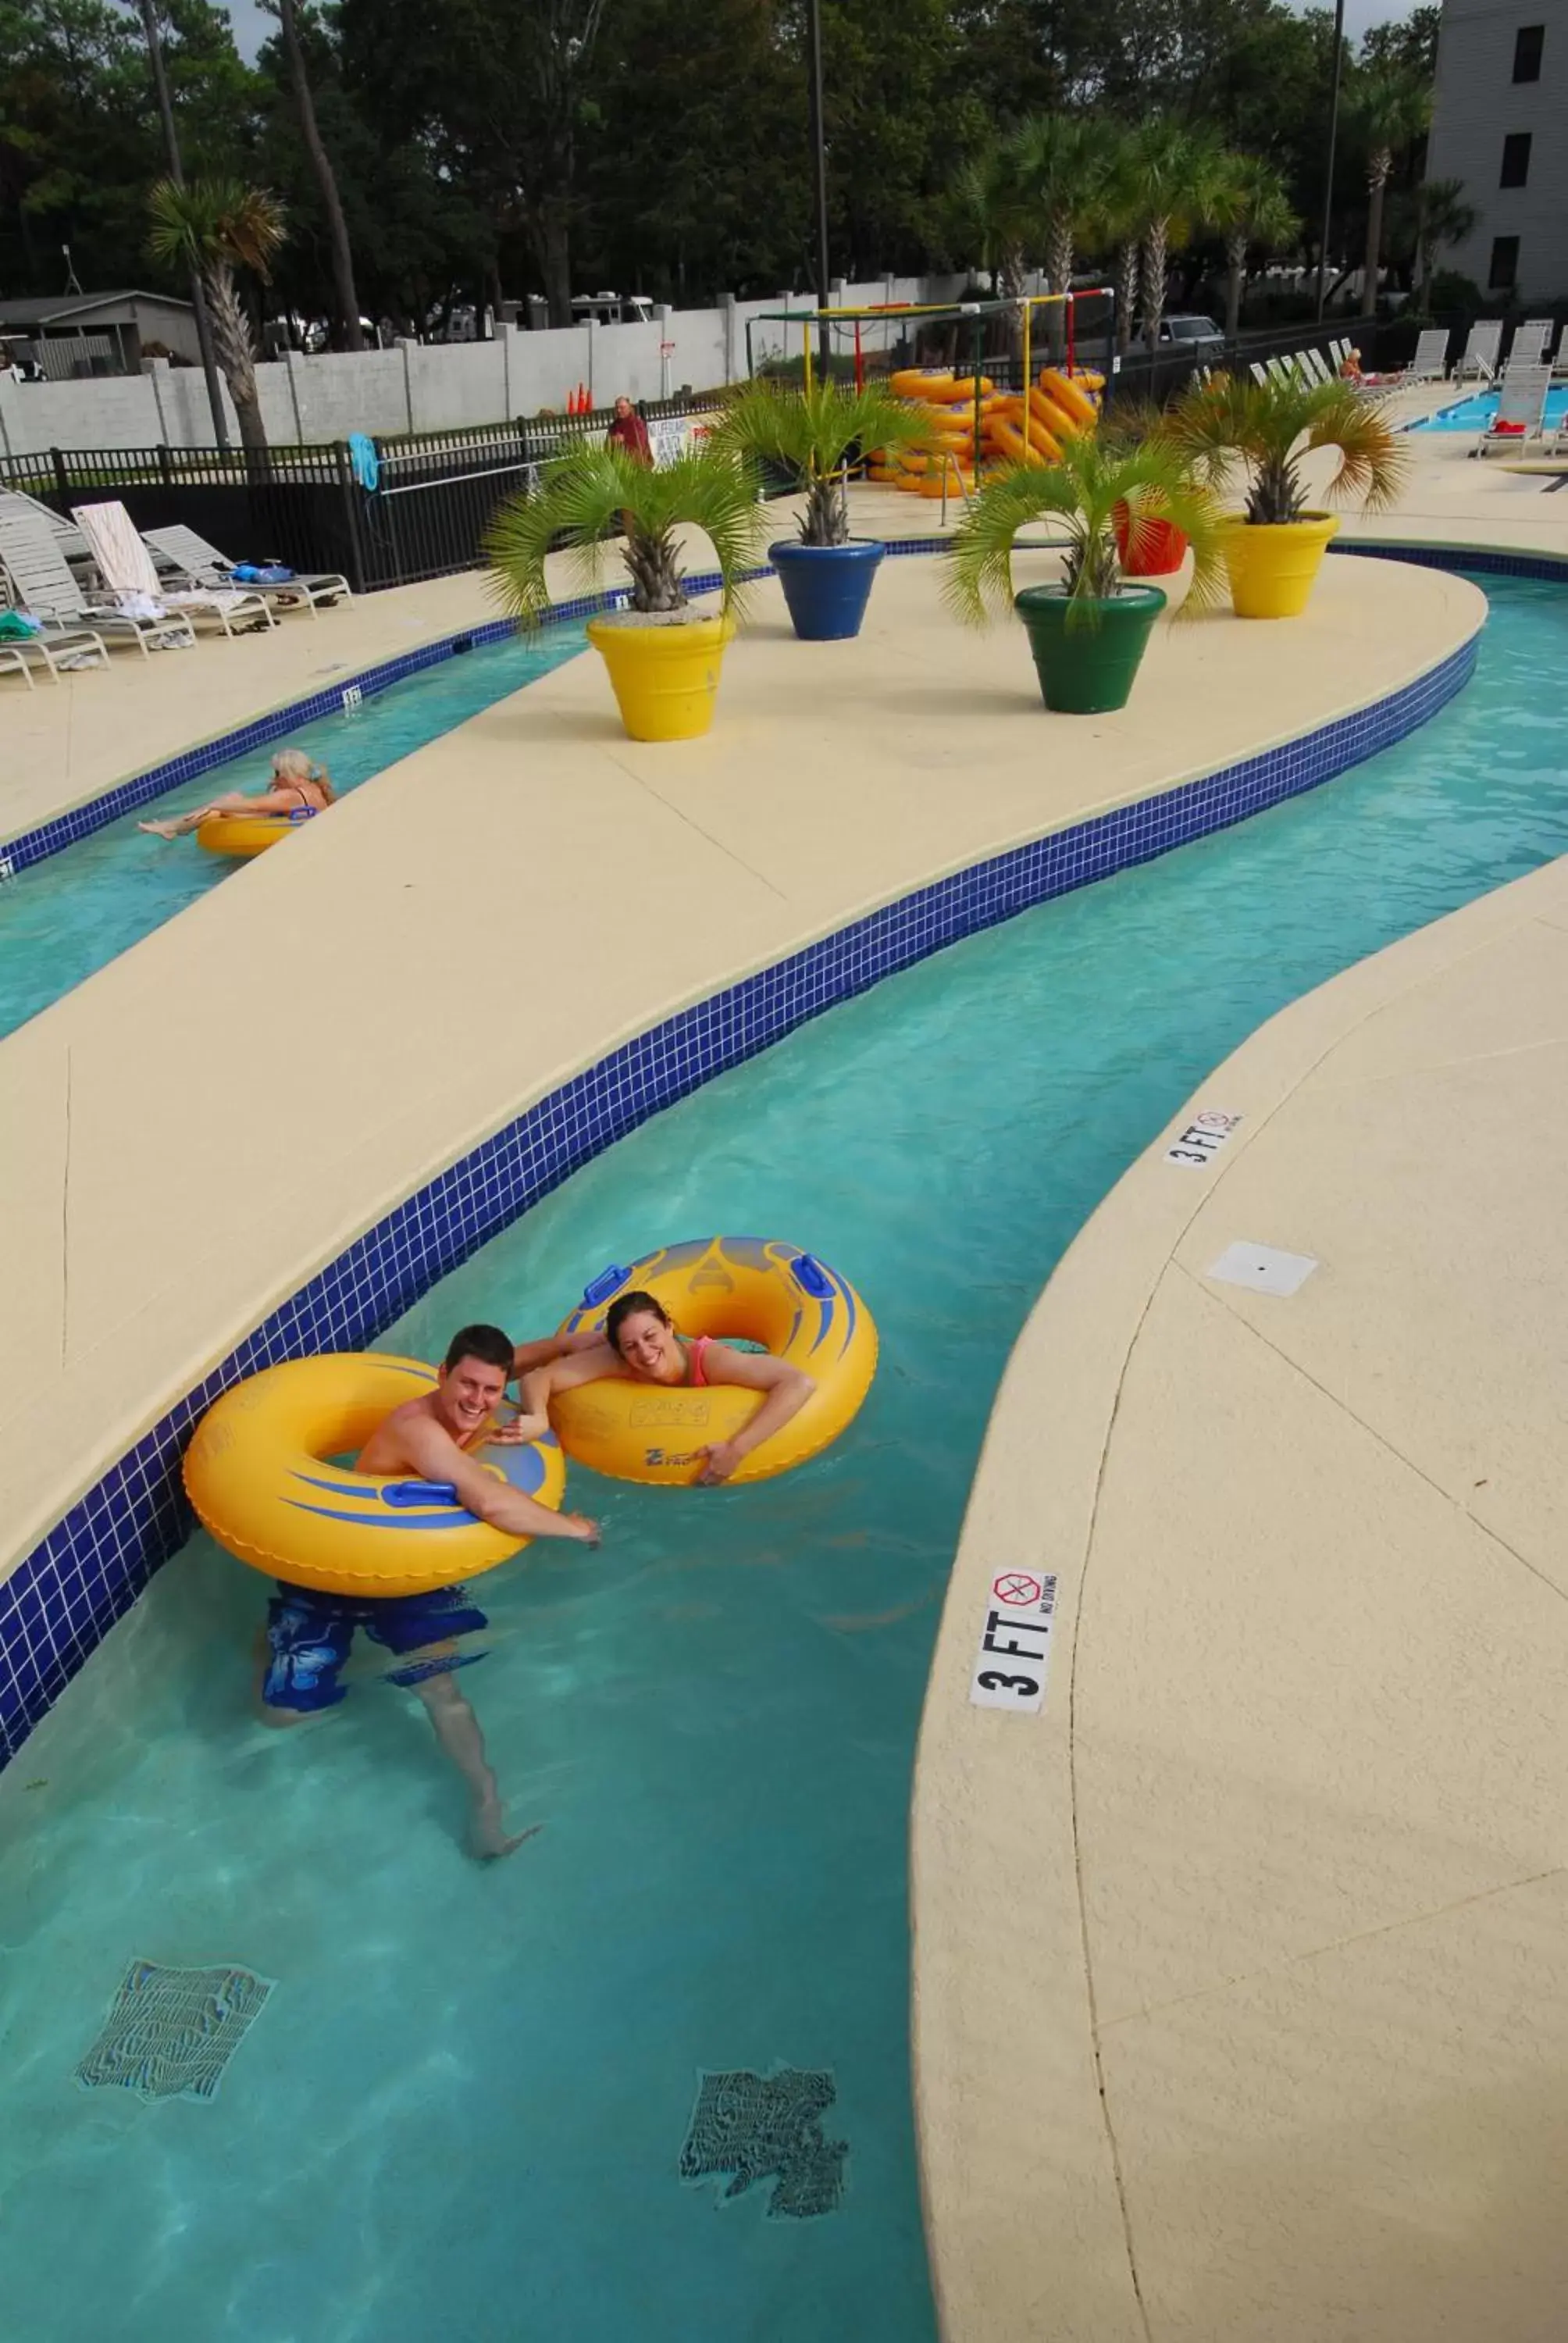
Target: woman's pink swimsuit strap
{"points": [[695, 1376]]}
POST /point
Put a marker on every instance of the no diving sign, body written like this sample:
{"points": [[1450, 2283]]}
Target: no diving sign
{"points": [[1015, 1643], [1201, 1140]]}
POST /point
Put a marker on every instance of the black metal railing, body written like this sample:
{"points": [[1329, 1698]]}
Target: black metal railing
{"points": [[435, 494]]}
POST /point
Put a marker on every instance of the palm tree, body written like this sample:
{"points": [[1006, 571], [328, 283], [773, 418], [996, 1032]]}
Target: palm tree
{"points": [[217, 225], [1061, 161], [1172, 172], [1083, 491], [1392, 106], [1442, 217], [325, 179], [1249, 205], [1270, 426], [592, 491], [1118, 223], [812, 431], [990, 217]]}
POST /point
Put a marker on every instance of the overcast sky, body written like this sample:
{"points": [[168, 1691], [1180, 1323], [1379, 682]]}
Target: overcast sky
{"points": [[251, 27]]}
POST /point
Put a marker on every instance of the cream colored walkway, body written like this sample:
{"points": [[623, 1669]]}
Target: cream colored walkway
{"points": [[180, 1148], [1242, 1971]]}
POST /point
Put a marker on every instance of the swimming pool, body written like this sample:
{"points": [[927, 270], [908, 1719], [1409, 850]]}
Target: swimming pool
{"points": [[1475, 413], [462, 2112], [76, 910]]}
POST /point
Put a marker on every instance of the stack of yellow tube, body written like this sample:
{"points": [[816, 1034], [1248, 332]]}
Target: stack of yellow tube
{"points": [[970, 424], [946, 455]]}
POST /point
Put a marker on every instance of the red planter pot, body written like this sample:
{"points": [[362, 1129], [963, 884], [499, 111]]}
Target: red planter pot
{"points": [[1161, 547]]}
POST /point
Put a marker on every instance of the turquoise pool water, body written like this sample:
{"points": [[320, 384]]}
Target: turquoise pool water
{"points": [[1475, 413], [62, 919], [461, 2113]]}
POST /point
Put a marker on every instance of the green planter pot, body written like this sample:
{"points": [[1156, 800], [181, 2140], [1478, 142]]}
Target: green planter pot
{"points": [[1088, 668]]}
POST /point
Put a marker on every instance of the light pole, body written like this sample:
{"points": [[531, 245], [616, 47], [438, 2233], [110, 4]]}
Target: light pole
{"points": [[1333, 140], [819, 158], [198, 292]]}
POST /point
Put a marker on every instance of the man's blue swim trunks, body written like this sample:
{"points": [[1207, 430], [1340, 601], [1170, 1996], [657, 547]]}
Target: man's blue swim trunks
{"points": [[309, 1637]]}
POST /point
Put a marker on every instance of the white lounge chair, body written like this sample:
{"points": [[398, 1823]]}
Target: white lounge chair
{"points": [[1315, 367], [1521, 415], [1430, 362], [41, 583], [52, 648], [125, 567], [1532, 345], [184, 552], [1480, 355]]}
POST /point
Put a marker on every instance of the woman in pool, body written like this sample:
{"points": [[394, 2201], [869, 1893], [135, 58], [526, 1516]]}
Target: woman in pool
{"points": [[298, 787], [640, 1345]]}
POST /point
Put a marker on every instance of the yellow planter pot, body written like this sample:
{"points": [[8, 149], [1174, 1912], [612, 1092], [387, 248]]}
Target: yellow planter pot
{"points": [[665, 678], [1272, 566]]}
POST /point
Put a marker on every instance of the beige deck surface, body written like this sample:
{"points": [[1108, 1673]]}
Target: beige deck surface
{"points": [[1242, 1971], [63, 743], [180, 1149]]}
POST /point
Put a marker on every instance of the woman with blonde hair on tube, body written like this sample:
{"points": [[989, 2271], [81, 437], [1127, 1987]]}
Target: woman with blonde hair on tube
{"points": [[298, 787]]}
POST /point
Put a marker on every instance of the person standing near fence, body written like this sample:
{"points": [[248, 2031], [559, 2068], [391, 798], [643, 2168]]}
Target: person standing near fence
{"points": [[629, 431]]}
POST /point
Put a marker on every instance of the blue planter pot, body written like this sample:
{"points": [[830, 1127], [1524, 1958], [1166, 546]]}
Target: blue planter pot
{"points": [[826, 587]]}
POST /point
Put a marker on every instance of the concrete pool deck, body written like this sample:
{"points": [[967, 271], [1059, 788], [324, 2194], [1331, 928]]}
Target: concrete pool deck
{"points": [[180, 1149], [1241, 1987]]}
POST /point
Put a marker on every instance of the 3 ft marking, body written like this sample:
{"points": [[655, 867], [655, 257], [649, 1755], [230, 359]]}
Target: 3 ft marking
{"points": [[1202, 1139], [352, 698], [1014, 1654]]}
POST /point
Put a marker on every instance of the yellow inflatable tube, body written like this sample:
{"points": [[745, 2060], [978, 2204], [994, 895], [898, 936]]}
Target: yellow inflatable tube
{"points": [[245, 835], [753, 1289], [1073, 400], [260, 1474]]}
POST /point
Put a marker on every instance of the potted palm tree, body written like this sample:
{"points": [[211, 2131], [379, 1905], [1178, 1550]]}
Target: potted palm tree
{"points": [[663, 655], [1088, 634], [825, 572], [1274, 548]]}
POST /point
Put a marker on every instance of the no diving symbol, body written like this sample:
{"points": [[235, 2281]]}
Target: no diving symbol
{"points": [[1017, 1589]]}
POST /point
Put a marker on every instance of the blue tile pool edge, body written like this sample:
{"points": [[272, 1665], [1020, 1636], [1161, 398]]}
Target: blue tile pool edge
{"points": [[64, 1595], [79, 822]]}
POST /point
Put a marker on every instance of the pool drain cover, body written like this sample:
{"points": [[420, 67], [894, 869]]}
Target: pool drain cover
{"points": [[1263, 1269], [768, 2128], [172, 2032]]}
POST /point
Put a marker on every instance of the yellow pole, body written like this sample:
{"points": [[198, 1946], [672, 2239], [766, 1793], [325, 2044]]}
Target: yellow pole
{"points": [[1028, 321], [805, 351]]}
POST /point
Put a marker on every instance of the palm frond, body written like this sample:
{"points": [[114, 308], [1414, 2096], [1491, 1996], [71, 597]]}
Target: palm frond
{"points": [[588, 493], [1271, 425], [1154, 481]]}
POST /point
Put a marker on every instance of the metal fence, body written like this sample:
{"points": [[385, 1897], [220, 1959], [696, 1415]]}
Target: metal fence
{"points": [[435, 496]]}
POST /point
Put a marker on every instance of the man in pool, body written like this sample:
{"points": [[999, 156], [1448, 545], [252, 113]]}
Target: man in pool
{"points": [[310, 1635]]}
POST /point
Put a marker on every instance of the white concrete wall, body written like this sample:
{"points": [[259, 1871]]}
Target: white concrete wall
{"points": [[1476, 104], [435, 387]]}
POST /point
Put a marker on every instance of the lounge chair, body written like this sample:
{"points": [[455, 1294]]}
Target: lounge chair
{"points": [[184, 552], [1316, 368], [125, 567], [1532, 345], [1480, 354], [1521, 413], [72, 543], [1430, 362], [42, 584], [51, 649]]}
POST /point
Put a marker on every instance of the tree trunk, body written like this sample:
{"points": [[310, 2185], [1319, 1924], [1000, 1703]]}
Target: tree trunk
{"points": [[1059, 268], [325, 179], [1156, 256], [1235, 277], [552, 244], [1126, 294], [236, 351], [1377, 180]]}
